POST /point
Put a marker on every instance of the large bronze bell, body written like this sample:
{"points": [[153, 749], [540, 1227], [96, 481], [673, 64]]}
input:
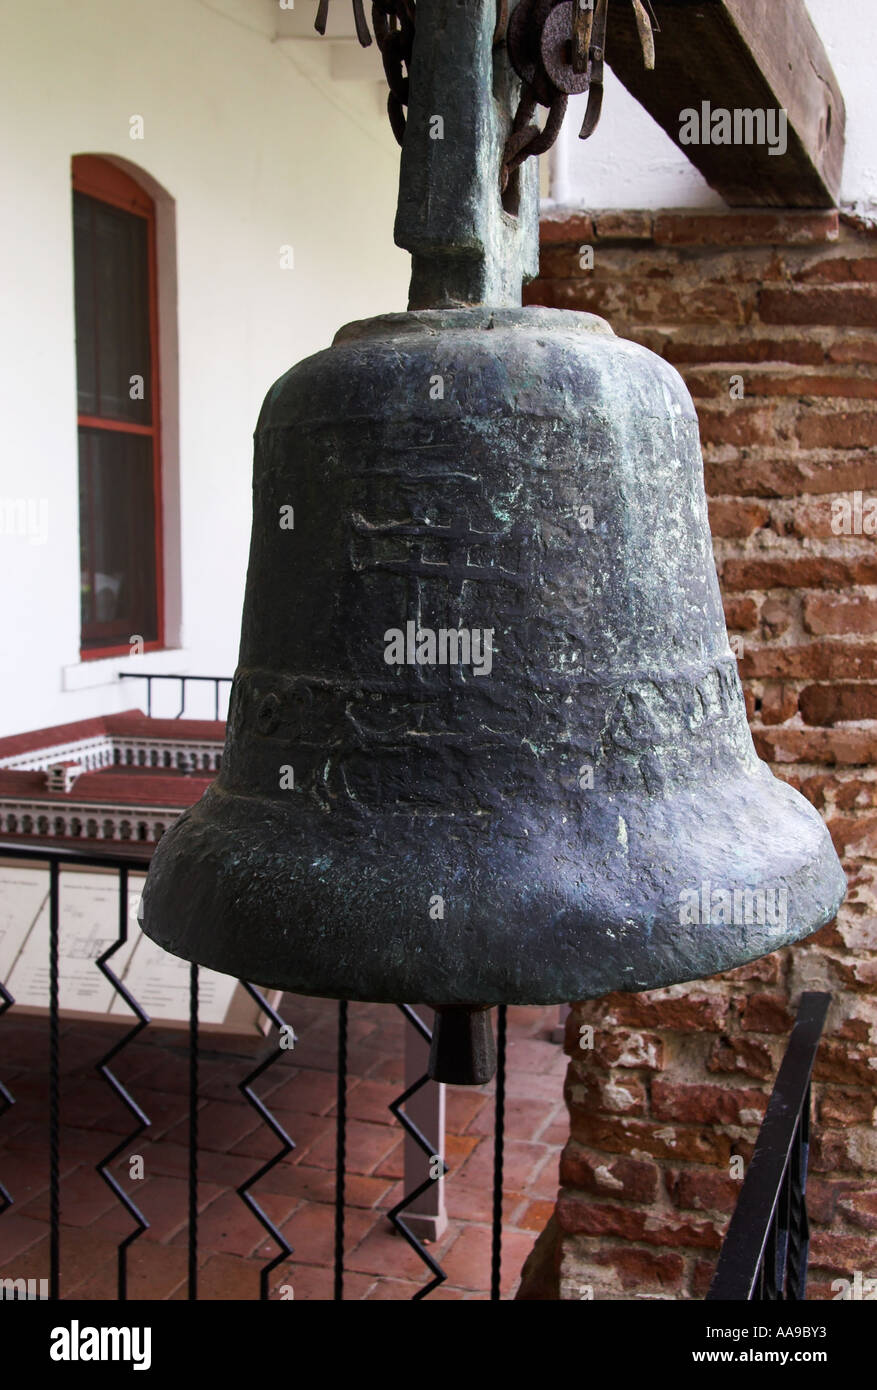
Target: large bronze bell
{"points": [[487, 741]]}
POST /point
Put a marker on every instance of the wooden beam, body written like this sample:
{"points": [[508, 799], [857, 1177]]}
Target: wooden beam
{"points": [[746, 55]]}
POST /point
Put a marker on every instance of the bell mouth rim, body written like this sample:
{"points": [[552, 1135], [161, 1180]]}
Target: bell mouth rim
{"points": [[471, 318], [329, 949]]}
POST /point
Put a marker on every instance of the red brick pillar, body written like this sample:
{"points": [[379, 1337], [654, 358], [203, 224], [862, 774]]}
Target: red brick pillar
{"points": [[772, 319]]}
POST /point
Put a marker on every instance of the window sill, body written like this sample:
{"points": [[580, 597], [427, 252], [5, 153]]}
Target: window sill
{"points": [[97, 671]]}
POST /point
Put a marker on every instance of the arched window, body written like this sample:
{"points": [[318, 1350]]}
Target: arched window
{"points": [[119, 428]]}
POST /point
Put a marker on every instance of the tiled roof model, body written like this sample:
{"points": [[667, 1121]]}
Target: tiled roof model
{"points": [[119, 777], [131, 723], [109, 787]]}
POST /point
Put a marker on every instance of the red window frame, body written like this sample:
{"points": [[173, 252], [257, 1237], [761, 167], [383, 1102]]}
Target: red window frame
{"points": [[99, 179]]}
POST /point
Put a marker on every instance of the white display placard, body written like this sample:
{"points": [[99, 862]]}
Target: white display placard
{"points": [[88, 922]]}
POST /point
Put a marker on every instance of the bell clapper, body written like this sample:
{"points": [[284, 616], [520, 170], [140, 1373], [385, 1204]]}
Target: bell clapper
{"points": [[463, 1051]]}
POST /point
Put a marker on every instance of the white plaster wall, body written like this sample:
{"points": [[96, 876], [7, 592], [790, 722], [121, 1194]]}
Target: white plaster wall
{"points": [[256, 147], [629, 162], [848, 30]]}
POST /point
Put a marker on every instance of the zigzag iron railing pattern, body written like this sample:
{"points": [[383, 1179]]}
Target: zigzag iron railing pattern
{"points": [[439, 1275], [56, 858], [287, 1144], [103, 1067]]}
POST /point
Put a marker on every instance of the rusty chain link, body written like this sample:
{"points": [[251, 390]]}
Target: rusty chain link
{"points": [[393, 24], [556, 47]]}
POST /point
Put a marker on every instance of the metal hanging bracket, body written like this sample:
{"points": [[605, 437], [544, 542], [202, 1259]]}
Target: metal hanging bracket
{"points": [[469, 243], [472, 76]]}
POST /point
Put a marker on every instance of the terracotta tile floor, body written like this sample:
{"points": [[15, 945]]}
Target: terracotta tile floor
{"points": [[298, 1194]]}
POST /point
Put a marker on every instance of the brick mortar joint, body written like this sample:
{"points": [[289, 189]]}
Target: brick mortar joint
{"points": [[744, 227]]}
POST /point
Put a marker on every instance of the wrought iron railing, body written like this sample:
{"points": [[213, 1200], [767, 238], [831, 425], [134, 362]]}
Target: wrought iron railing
{"points": [[764, 1253], [151, 676], [59, 857]]}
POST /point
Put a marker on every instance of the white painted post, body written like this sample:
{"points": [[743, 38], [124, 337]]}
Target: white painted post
{"points": [[426, 1218]]}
